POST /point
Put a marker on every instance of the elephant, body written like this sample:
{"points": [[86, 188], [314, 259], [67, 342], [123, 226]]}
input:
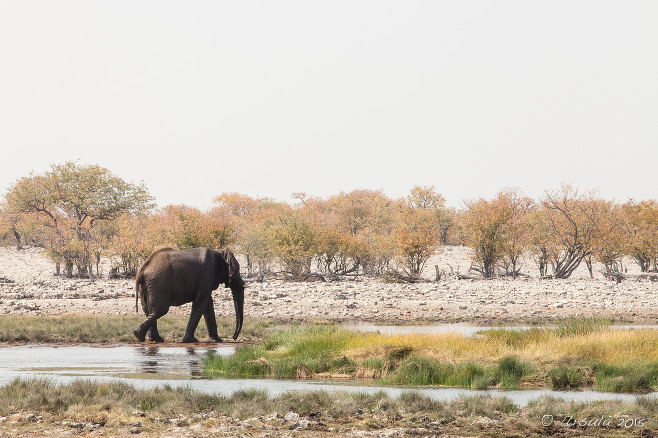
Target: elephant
{"points": [[171, 277]]}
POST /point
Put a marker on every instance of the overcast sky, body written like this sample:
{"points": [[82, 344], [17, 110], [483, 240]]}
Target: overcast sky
{"points": [[272, 97]]}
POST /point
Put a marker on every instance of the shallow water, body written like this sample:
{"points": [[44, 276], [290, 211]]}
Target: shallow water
{"points": [[154, 366], [117, 361]]}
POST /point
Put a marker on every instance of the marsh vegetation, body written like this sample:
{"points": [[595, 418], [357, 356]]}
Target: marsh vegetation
{"points": [[576, 354]]}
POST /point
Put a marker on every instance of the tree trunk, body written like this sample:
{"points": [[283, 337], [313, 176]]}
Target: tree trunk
{"points": [[642, 260], [68, 267], [17, 236], [249, 266], [563, 267]]}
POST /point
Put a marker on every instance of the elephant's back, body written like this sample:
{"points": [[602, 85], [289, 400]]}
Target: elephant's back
{"points": [[170, 263], [155, 262]]}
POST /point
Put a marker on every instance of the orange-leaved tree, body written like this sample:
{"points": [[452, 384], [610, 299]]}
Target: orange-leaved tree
{"points": [[517, 233], [427, 198], [252, 219], [20, 228], [541, 246], [189, 227], [421, 226], [486, 226], [364, 222], [609, 242], [74, 199], [641, 232], [132, 239], [293, 240]]}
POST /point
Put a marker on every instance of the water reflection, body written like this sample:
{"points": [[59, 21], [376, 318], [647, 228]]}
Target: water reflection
{"points": [[117, 360], [177, 360], [150, 366]]}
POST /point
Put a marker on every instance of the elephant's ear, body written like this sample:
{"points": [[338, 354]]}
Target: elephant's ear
{"points": [[231, 267], [228, 265]]}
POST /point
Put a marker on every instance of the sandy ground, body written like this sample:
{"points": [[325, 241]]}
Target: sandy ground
{"points": [[28, 286]]}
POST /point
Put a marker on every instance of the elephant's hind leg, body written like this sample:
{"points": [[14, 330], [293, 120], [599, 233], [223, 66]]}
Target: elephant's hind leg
{"points": [[140, 332], [154, 336]]}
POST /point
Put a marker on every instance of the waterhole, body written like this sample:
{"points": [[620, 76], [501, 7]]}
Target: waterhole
{"points": [[149, 366]]}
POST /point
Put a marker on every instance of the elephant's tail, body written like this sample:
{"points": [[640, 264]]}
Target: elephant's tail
{"points": [[139, 287]]}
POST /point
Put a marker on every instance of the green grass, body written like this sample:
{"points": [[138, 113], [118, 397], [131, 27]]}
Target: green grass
{"points": [[566, 377], [629, 378], [289, 353], [418, 370]]}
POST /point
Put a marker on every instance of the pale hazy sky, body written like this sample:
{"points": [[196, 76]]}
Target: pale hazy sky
{"points": [[266, 98]]}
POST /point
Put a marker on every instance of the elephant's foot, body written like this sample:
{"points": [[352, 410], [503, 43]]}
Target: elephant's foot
{"points": [[216, 339], [156, 339], [139, 335], [189, 340]]}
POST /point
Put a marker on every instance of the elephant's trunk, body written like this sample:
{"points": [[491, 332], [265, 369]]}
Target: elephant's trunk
{"points": [[238, 301]]}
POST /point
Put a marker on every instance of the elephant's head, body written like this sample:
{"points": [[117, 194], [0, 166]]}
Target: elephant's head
{"points": [[230, 276]]}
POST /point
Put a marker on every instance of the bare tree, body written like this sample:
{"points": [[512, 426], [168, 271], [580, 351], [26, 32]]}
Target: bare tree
{"points": [[575, 223]]}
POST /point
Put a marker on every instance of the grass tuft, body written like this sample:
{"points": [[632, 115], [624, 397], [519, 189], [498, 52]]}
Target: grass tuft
{"points": [[564, 377], [629, 378], [581, 326]]}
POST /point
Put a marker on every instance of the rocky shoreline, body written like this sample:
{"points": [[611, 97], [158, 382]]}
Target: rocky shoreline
{"points": [[28, 286]]}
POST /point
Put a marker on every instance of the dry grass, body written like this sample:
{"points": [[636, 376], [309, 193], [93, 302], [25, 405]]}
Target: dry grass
{"points": [[541, 345], [545, 345], [113, 408]]}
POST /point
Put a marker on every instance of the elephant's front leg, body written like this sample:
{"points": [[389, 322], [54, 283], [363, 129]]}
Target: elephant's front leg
{"points": [[211, 322], [198, 308]]}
